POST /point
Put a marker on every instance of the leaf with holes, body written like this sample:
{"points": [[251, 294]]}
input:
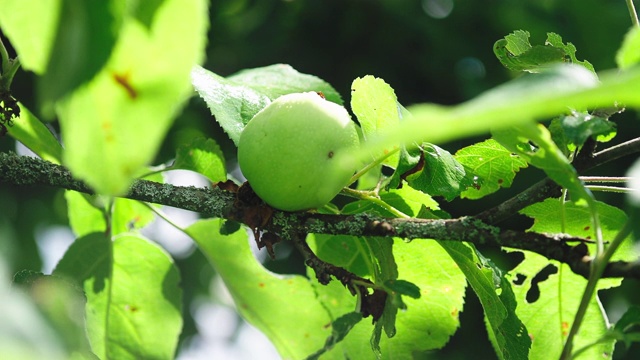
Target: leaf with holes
{"points": [[570, 132], [562, 288], [534, 144]]}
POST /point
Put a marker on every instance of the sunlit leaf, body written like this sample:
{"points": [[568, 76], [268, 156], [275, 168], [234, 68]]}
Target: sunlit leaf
{"points": [[406, 199], [134, 302], [569, 49], [284, 308], [375, 105], [442, 174], [576, 221], [544, 154], [571, 131], [86, 213], [517, 54], [506, 331], [31, 26], [340, 328], [629, 53], [36, 136], [113, 126], [562, 288], [234, 100], [202, 156], [85, 36], [494, 166], [427, 323], [531, 97], [281, 79]]}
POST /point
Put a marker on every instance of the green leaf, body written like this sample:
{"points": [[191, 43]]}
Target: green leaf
{"points": [[629, 53], [275, 304], [576, 221], [281, 79], [629, 321], [85, 37], [544, 154], [385, 270], [62, 303], [340, 327], [86, 213], [411, 160], [232, 104], [570, 132], [234, 100], [26, 332], [375, 105], [31, 26], [561, 289], [202, 156], [492, 165], [119, 118], [409, 200], [507, 333], [516, 53], [428, 322], [569, 49], [36, 136], [518, 42], [531, 97], [442, 174], [403, 287], [405, 199], [129, 216], [145, 11], [134, 300]]}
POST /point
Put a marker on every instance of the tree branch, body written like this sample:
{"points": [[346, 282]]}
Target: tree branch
{"points": [[546, 188], [216, 202]]}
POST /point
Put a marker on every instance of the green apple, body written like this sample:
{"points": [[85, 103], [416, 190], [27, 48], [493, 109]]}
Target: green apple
{"points": [[291, 152]]}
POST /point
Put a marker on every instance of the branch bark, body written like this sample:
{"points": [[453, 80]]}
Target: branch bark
{"points": [[546, 188], [215, 202]]}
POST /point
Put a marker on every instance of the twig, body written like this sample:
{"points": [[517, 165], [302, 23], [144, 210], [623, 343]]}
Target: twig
{"points": [[215, 202], [547, 188]]}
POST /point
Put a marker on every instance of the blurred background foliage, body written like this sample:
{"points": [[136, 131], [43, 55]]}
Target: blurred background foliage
{"points": [[427, 50]]}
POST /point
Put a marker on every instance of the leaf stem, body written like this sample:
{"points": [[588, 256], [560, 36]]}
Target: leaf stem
{"points": [[371, 165], [4, 58], [9, 68], [598, 265], [615, 189], [632, 13], [370, 196], [605, 179]]}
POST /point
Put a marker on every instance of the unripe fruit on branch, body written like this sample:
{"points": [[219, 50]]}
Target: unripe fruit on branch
{"points": [[291, 151]]}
